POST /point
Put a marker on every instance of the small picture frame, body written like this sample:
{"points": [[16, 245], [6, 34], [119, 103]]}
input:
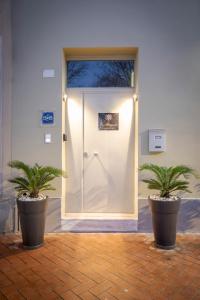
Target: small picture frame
{"points": [[108, 121]]}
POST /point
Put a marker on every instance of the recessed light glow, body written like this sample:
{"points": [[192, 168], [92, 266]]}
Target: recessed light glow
{"points": [[65, 97], [74, 110]]}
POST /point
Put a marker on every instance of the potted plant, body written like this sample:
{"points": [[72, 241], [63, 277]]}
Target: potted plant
{"points": [[165, 205], [31, 202]]}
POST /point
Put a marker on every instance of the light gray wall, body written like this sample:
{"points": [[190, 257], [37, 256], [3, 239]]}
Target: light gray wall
{"points": [[5, 94], [167, 34]]}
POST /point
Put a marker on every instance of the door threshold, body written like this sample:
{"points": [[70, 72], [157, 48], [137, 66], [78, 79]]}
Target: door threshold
{"points": [[99, 216], [99, 223]]}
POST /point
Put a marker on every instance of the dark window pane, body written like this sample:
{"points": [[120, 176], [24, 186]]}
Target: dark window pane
{"points": [[100, 73]]}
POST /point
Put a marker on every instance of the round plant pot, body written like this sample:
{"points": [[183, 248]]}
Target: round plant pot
{"points": [[32, 220], [164, 220]]}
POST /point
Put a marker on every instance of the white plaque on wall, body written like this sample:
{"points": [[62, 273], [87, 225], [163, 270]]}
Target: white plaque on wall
{"points": [[48, 73]]}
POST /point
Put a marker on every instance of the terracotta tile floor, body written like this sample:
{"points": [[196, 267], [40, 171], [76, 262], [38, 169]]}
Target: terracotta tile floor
{"points": [[100, 266]]}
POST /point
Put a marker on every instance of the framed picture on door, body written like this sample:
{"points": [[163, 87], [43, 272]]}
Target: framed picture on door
{"points": [[108, 121]]}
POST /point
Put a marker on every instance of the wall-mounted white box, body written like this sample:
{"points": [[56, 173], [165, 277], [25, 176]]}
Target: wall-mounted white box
{"points": [[47, 138], [48, 73], [157, 140]]}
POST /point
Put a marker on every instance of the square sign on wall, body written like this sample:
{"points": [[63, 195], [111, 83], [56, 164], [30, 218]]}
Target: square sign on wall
{"points": [[108, 121], [47, 118]]}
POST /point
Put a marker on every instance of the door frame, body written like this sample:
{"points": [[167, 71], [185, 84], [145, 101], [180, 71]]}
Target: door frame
{"points": [[107, 216]]}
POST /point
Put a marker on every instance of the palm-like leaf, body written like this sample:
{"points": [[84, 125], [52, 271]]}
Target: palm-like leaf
{"points": [[167, 180], [36, 178]]}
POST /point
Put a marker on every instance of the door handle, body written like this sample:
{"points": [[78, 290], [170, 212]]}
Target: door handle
{"points": [[85, 154]]}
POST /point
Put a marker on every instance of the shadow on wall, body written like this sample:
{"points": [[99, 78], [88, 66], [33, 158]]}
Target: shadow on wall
{"points": [[7, 212], [53, 215], [144, 138], [188, 219], [7, 206]]}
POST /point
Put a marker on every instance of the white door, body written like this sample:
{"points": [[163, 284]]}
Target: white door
{"points": [[100, 152]]}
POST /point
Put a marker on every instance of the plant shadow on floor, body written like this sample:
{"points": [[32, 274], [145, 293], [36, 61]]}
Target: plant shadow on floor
{"points": [[10, 248], [188, 218]]}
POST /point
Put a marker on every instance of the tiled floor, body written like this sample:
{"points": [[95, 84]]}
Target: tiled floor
{"points": [[100, 266]]}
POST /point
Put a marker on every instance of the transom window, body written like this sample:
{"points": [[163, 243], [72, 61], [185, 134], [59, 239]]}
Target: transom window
{"points": [[100, 73]]}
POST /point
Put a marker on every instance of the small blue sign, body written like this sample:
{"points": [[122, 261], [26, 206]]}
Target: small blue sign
{"points": [[47, 118]]}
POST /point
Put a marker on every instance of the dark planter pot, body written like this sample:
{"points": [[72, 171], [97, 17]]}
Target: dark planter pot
{"points": [[32, 220], [164, 219]]}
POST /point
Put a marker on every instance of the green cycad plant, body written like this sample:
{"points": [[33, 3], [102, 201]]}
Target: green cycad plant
{"points": [[167, 180], [35, 179]]}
